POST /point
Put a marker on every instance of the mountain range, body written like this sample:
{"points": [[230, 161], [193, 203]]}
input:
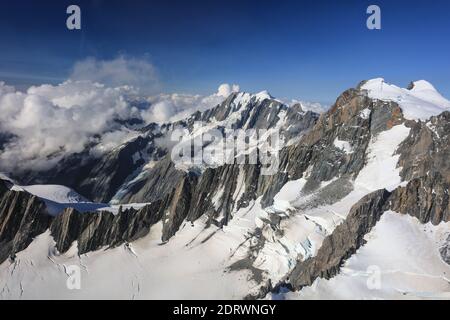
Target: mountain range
{"points": [[357, 208]]}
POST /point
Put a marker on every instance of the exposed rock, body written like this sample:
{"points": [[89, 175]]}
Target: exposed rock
{"points": [[216, 193], [445, 251], [343, 242], [22, 218], [427, 148], [354, 118], [113, 169], [425, 198], [157, 183], [96, 230]]}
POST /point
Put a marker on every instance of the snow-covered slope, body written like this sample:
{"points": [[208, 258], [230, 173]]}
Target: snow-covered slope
{"points": [[56, 193], [58, 197], [214, 258], [418, 103], [239, 233], [401, 260], [145, 269]]}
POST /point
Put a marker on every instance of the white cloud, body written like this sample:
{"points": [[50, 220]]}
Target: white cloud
{"points": [[49, 122], [121, 71], [225, 89], [174, 107]]}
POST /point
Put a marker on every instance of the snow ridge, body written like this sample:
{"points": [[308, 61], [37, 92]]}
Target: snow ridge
{"points": [[420, 102]]}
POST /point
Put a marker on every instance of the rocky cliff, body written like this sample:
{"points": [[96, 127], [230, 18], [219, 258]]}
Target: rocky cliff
{"points": [[327, 153]]}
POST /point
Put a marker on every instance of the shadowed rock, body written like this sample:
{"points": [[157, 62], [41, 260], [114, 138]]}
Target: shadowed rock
{"points": [[22, 218]]}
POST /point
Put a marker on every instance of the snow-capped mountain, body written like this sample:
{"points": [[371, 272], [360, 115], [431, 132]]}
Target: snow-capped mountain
{"points": [[360, 190]]}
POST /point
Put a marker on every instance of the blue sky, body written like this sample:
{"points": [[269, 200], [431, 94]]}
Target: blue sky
{"points": [[312, 50]]}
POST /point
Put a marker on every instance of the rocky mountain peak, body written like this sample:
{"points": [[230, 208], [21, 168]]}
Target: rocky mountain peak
{"points": [[338, 174]]}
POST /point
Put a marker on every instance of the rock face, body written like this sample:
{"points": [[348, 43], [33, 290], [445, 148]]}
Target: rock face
{"points": [[110, 173], [425, 198], [343, 242], [353, 119], [22, 217], [332, 148], [93, 231], [445, 251], [427, 148]]}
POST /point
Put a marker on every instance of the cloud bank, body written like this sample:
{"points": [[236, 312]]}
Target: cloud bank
{"points": [[48, 121], [40, 126]]}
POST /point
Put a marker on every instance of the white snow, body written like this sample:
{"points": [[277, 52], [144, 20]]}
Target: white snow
{"points": [[381, 170], [365, 114], [305, 230], [4, 176], [58, 197], [217, 198], [343, 145], [419, 103], [263, 95], [191, 266], [56, 193], [290, 192], [194, 263], [401, 260]]}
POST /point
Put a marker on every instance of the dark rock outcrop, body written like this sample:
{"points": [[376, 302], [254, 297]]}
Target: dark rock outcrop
{"points": [[425, 198], [445, 251], [93, 231], [343, 242], [22, 218], [177, 196], [354, 118], [427, 148]]}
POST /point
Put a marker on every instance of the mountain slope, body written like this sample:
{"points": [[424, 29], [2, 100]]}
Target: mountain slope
{"points": [[342, 176]]}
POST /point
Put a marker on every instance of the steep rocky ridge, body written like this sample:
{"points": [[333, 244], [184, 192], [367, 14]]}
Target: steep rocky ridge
{"points": [[332, 148], [22, 217], [425, 198]]}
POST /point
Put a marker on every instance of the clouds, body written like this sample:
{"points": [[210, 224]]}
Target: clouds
{"points": [[121, 71], [40, 126], [225, 89], [48, 122], [174, 107]]}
